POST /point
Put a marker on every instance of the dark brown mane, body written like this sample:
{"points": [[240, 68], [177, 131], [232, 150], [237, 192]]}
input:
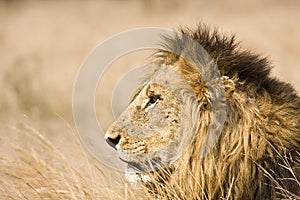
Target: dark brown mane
{"points": [[263, 118], [249, 67]]}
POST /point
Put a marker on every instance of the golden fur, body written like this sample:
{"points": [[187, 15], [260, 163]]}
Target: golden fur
{"points": [[257, 155]]}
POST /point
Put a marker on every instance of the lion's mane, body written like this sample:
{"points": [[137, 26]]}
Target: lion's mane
{"points": [[257, 155]]}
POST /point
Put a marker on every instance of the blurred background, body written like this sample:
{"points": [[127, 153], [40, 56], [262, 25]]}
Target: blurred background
{"points": [[43, 44]]}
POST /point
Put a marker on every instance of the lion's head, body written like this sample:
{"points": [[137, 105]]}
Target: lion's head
{"points": [[158, 124], [207, 133]]}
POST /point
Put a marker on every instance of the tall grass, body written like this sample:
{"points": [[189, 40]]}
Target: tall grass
{"points": [[38, 170]]}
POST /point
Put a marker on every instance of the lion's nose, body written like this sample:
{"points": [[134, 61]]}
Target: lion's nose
{"points": [[113, 141]]}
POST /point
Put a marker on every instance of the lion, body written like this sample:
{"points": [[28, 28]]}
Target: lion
{"points": [[210, 122]]}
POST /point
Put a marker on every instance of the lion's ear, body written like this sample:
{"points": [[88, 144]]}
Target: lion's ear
{"points": [[229, 85]]}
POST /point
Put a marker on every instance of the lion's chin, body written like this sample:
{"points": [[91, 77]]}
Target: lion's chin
{"points": [[134, 177], [140, 173]]}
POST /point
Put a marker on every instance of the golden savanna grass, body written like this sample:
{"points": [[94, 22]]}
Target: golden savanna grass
{"points": [[43, 43], [40, 171]]}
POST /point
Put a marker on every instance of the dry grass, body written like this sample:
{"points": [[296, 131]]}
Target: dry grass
{"points": [[40, 171], [43, 44]]}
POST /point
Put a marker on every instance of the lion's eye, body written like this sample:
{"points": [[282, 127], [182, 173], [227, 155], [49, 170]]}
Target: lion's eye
{"points": [[153, 98]]}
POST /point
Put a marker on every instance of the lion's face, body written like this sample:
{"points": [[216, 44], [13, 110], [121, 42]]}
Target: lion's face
{"points": [[148, 129], [148, 134]]}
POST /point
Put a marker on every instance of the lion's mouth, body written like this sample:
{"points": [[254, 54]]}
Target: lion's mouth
{"points": [[148, 166], [145, 172]]}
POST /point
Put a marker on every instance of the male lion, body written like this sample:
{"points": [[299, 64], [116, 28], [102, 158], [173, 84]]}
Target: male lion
{"points": [[177, 141]]}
